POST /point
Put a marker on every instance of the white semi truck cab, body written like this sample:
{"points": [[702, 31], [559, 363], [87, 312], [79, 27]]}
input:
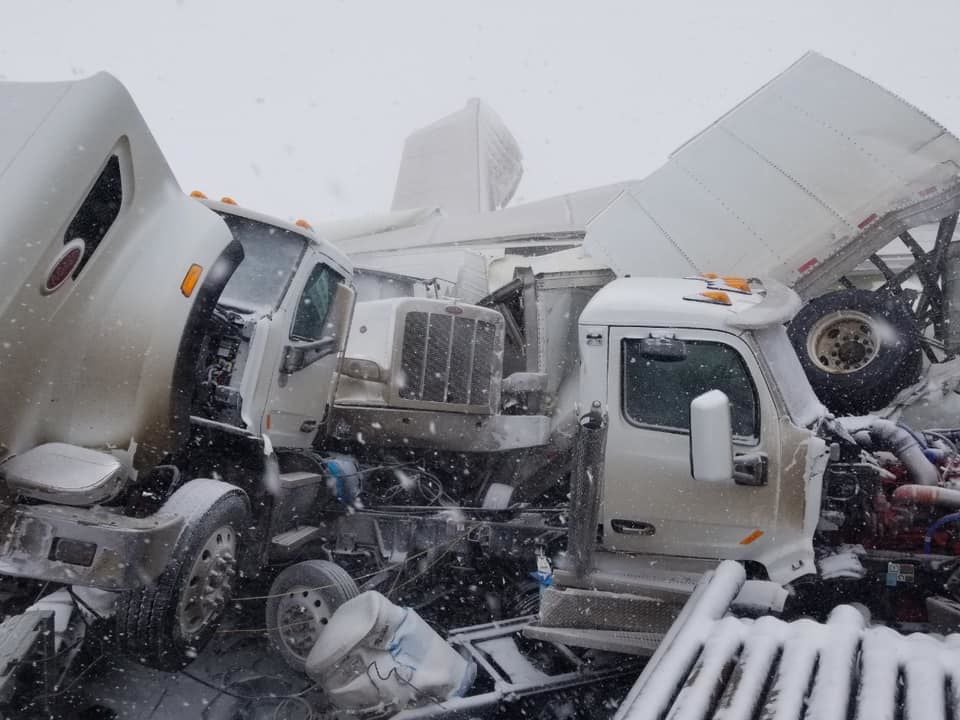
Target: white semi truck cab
{"points": [[701, 440], [270, 354], [680, 479]]}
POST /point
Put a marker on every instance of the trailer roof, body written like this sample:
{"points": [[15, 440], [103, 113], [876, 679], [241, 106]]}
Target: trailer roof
{"points": [[801, 181]]}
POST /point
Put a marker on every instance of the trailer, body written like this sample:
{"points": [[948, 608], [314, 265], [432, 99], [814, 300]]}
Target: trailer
{"points": [[821, 179]]}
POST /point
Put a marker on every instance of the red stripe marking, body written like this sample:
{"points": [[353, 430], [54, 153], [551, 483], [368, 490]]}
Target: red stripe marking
{"points": [[807, 265], [869, 219]]}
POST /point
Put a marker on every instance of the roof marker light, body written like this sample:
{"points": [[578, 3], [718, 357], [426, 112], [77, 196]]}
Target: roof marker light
{"points": [[227, 200], [737, 283], [303, 224], [190, 280], [198, 195], [713, 297]]}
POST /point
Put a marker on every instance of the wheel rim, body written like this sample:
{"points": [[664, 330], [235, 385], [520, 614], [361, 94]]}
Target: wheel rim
{"points": [[208, 584], [843, 342], [302, 614]]}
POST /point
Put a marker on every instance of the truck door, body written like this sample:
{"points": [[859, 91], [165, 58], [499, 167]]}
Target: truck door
{"points": [[306, 369], [651, 503]]}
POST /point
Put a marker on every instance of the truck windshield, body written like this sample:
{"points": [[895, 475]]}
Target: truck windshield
{"points": [[271, 256]]}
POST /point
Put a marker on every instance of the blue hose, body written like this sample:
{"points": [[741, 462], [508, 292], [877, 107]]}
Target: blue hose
{"points": [[921, 440], [928, 536]]}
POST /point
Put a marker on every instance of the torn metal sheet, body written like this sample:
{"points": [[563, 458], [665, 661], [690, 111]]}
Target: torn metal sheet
{"points": [[801, 182]]}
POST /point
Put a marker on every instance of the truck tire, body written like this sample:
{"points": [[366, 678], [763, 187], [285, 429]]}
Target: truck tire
{"points": [[858, 348], [302, 599], [166, 624]]}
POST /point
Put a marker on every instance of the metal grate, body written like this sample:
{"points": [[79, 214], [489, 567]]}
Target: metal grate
{"points": [[447, 359]]}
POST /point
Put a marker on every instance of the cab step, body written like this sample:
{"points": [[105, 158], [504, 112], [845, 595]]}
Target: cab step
{"points": [[299, 478], [293, 539]]}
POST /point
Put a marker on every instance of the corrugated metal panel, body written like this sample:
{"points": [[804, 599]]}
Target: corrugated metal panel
{"points": [[801, 182], [714, 665]]}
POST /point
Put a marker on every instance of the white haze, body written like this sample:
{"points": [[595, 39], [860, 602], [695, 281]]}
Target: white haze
{"points": [[300, 108]]}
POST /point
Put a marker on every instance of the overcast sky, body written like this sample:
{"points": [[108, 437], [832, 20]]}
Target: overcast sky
{"points": [[300, 109]]}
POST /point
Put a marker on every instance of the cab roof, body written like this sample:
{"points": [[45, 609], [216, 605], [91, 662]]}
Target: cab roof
{"points": [[691, 302]]}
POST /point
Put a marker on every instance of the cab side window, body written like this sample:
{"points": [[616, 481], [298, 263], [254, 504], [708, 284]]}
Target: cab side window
{"points": [[310, 322], [657, 392]]}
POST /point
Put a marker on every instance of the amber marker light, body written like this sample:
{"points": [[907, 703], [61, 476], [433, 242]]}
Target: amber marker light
{"points": [[191, 279], [737, 283], [717, 296]]}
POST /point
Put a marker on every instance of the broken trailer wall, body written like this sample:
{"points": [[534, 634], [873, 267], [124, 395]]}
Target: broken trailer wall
{"points": [[802, 182]]}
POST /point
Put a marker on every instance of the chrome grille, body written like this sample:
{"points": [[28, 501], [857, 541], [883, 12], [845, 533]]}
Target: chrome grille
{"points": [[447, 359]]}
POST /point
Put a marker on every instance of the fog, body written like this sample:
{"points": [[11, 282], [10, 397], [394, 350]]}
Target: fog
{"points": [[300, 108]]}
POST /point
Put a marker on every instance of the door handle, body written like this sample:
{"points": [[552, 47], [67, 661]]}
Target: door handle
{"points": [[632, 527], [308, 426]]}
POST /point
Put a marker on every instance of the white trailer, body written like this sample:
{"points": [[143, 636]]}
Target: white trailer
{"points": [[803, 182]]}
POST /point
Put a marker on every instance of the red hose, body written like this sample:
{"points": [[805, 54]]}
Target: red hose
{"points": [[927, 495]]}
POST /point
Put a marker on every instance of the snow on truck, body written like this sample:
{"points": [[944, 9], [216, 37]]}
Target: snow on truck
{"points": [[246, 412]]}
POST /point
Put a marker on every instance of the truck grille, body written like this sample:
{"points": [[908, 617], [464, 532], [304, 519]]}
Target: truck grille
{"points": [[447, 359]]}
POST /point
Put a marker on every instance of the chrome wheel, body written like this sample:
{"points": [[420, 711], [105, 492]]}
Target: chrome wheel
{"points": [[301, 616], [208, 585], [843, 342]]}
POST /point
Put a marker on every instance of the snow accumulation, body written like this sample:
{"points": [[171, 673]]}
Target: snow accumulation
{"points": [[717, 665]]}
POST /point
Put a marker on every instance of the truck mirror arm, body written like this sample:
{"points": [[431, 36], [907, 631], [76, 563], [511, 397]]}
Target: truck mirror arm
{"points": [[297, 357]]}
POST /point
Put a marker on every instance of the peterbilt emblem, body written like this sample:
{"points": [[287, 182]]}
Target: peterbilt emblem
{"points": [[64, 265]]}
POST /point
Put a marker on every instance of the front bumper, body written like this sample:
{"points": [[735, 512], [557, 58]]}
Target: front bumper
{"points": [[85, 546]]}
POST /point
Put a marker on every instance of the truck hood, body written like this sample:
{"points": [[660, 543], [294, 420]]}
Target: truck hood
{"points": [[92, 362]]}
